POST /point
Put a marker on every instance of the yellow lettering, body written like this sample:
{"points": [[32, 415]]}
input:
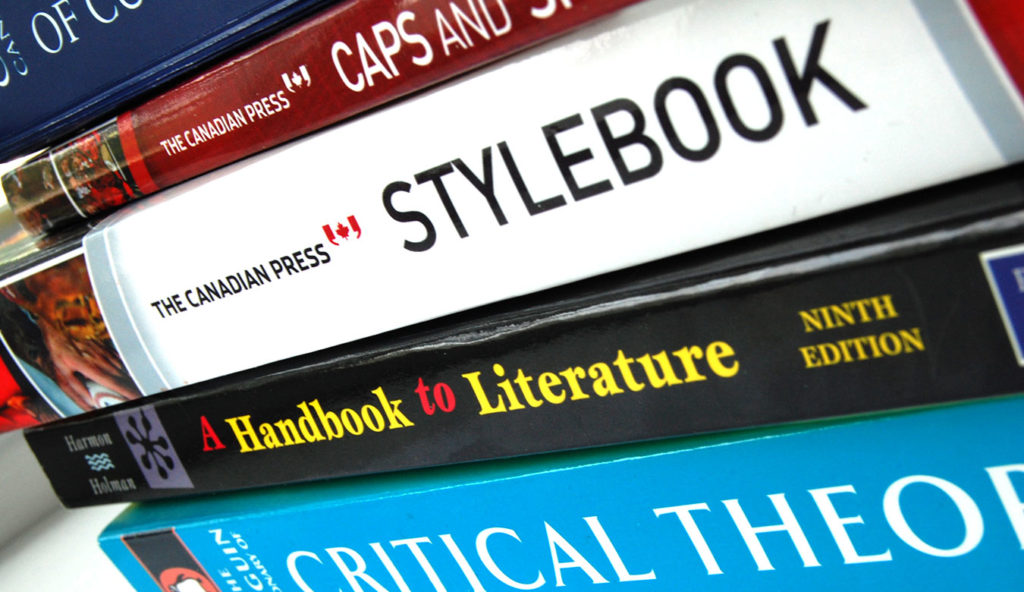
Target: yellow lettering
{"points": [[523, 381], [486, 407], [884, 308], [811, 320], [310, 431], [811, 359], [289, 431], [545, 382], [667, 375], [718, 350], [622, 363], [246, 436], [603, 380], [571, 375], [506, 386], [912, 339], [686, 356], [269, 436]]}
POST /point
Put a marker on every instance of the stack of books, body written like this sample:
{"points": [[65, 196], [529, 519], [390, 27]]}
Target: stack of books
{"points": [[493, 295]]}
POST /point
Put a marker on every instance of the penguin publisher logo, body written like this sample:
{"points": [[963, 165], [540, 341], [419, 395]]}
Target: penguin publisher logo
{"points": [[182, 579], [170, 563]]}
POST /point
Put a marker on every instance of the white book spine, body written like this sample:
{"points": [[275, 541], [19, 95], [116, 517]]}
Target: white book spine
{"points": [[667, 127]]}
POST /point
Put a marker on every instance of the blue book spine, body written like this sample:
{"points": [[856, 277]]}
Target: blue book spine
{"points": [[66, 64], [929, 499]]}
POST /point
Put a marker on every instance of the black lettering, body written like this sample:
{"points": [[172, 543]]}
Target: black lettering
{"points": [[566, 161], [300, 260], [635, 137], [533, 207], [411, 216], [801, 83], [484, 186], [325, 257], [771, 98], [435, 175], [289, 265], [703, 108], [262, 274], [309, 254]]}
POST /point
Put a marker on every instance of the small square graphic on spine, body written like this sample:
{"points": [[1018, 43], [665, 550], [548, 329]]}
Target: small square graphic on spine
{"points": [[1005, 270], [152, 449]]}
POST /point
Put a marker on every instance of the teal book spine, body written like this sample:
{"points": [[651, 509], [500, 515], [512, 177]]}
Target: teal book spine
{"points": [[928, 499]]}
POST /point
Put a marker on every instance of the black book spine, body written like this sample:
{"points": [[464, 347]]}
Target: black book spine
{"points": [[913, 320]]}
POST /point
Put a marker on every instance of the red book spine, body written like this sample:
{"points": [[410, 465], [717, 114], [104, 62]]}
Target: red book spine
{"points": [[342, 62], [997, 20]]}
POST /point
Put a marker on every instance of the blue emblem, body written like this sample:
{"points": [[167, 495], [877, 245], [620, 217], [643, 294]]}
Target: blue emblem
{"points": [[1005, 270]]}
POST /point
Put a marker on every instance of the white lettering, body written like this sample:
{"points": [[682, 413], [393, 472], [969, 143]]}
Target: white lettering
{"points": [[96, 15], [388, 49], [405, 17], [555, 539], [549, 8], [338, 47], [390, 566], [56, 29], [692, 531], [1008, 495], [974, 527], [492, 566], [613, 554], [837, 525], [293, 570], [788, 525], [421, 558], [351, 574]]}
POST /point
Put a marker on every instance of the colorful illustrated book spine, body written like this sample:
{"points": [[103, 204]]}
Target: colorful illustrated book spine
{"points": [[345, 60], [928, 498], [765, 332], [66, 65]]}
